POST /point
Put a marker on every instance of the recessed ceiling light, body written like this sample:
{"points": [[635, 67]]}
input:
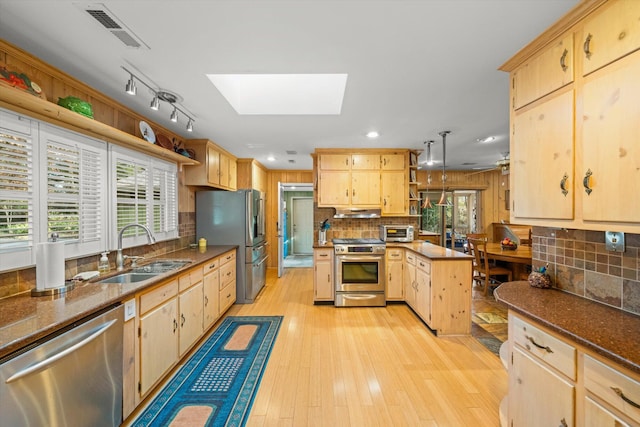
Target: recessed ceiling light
{"points": [[271, 159], [373, 134], [486, 140], [282, 94]]}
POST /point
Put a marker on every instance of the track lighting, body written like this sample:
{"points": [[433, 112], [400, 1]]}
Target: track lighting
{"points": [[159, 95], [155, 103], [130, 88]]}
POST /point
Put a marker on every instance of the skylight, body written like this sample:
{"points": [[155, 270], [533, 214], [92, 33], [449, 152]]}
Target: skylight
{"points": [[282, 94]]}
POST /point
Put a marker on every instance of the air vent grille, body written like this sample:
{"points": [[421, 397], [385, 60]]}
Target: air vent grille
{"points": [[115, 26], [291, 152]]}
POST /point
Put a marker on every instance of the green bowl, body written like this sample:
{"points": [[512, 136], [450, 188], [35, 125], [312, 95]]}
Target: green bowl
{"points": [[77, 105]]}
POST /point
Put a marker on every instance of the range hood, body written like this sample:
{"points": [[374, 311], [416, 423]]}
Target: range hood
{"points": [[357, 213]]}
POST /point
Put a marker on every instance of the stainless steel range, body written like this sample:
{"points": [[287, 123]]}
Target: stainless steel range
{"points": [[360, 277]]}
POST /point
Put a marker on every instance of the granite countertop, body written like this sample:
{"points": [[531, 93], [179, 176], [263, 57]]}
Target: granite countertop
{"points": [[420, 247], [26, 319], [608, 331]]}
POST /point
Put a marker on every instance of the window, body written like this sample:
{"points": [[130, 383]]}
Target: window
{"points": [[460, 215], [145, 192], [17, 191], [76, 173]]}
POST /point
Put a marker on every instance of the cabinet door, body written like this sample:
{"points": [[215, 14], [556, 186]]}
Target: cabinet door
{"points": [[323, 275], [158, 343], [423, 292], [538, 396], [394, 193], [224, 170], [365, 162], [213, 165], [393, 162], [334, 188], [394, 272], [191, 302], [233, 174], [597, 416], [211, 292], [550, 70], [611, 33], [335, 162], [542, 160], [409, 278], [365, 189], [611, 143]]}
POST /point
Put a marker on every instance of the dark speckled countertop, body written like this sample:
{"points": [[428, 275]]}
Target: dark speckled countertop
{"points": [[25, 319], [607, 331], [420, 247]]}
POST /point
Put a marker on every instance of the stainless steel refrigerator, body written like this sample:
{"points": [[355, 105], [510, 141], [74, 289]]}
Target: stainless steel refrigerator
{"points": [[237, 218]]}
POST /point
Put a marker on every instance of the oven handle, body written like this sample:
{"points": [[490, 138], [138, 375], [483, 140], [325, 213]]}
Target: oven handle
{"points": [[360, 257], [359, 297]]}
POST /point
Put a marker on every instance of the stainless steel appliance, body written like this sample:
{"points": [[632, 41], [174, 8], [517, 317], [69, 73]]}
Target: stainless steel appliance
{"points": [[360, 277], [71, 379], [237, 218], [396, 233]]}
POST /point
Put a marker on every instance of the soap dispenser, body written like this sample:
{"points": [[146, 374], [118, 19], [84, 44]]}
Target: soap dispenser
{"points": [[103, 264]]}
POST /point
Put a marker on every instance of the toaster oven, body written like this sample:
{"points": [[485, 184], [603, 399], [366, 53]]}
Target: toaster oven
{"points": [[396, 233]]}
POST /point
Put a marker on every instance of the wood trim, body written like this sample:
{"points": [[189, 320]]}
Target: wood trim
{"points": [[564, 24]]}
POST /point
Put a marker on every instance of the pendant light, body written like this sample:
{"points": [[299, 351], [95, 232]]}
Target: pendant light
{"points": [[427, 202], [443, 196]]}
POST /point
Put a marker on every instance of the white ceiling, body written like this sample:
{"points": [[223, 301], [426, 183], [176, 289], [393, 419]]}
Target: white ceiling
{"points": [[414, 67]]}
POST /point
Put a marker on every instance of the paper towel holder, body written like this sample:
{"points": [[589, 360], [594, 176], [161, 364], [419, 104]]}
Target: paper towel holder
{"points": [[69, 284]]}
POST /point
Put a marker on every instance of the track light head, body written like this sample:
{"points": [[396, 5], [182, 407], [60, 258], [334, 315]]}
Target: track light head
{"points": [[130, 88], [190, 126], [174, 115], [155, 103]]}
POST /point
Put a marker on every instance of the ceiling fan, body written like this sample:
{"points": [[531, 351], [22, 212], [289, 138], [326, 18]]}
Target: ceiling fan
{"points": [[501, 165]]}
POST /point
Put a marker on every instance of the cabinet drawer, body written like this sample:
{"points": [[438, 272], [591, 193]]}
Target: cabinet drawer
{"points": [[322, 254], [544, 346], [423, 264], [227, 296], [189, 279], [158, 295], [410, 257], [211, 265], [601, 380], [394, 254], [227, 274], [228, 257]]}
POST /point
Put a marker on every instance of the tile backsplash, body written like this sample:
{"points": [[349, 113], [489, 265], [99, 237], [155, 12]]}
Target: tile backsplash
{"points": [[580, 264]]}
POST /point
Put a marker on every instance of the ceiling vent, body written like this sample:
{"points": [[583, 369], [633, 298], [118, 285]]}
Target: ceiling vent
{"points": [[291, 152], [115, 26]]}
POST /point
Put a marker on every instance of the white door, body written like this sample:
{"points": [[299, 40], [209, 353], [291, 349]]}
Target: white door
{"points": [[302, 225], [280, 229]]}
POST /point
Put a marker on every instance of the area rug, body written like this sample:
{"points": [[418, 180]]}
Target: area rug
{"points": [[217, 385]]}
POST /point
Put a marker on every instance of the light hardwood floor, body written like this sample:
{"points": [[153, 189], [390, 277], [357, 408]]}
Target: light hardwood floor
{"points": [[367, 366]]}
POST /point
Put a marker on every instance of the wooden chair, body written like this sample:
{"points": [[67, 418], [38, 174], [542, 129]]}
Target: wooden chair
{"points": [[483, 271], [467, 249]]}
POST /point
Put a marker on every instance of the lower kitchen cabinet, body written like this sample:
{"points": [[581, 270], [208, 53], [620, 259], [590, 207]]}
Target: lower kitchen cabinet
{"points": [[323, 287], [191, 307], [211, 292], [423, 289], [227, 293], [409, 278], [394, 271]]}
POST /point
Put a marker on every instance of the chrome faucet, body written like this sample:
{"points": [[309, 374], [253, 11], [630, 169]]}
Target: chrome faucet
{"points": [[119, 257]]}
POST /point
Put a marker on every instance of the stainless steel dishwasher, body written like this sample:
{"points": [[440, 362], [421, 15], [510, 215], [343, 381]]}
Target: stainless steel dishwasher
{"points": [[72, 379]]}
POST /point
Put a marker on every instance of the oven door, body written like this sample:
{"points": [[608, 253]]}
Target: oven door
{"points": [[360, 273]]}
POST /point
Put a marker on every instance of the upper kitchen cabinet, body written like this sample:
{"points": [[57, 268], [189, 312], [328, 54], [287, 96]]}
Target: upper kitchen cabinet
{"points": [[574, 148], [610, 34], [217, 168], [252, 175], [366, 178], [548, 71]]}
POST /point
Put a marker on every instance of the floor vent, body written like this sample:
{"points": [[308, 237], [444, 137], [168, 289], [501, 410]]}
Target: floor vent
{"points": [[115, 26]]}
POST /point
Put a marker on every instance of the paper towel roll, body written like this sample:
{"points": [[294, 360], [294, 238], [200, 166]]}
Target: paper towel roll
{"points": [[49, 265]]}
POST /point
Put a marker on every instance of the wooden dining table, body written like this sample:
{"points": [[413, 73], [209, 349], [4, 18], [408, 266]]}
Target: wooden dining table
{"points": [[517, 259]]}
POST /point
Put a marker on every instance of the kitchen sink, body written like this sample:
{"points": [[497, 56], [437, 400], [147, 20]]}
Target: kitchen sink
{"points": [[160, 266], [130, 277]]}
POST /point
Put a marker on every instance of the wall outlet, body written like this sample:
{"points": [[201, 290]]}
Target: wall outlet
{"points": [[614, 241], [129, 309]]}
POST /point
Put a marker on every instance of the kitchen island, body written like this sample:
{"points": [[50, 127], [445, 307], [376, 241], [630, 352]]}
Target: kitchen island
{"points": [[26, 319]]}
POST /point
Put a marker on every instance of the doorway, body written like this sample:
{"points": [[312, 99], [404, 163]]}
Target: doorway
{"points": [[457, 218], [295, 225]]}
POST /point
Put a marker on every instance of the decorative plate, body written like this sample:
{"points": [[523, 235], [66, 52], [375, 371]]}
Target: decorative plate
{"points": [[147, 132]]}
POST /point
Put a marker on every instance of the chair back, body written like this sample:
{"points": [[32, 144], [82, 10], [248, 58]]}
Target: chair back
{"points": [[477, 246]]}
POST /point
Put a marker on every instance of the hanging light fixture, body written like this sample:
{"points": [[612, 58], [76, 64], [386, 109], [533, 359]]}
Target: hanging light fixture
{"points": [[427, 202], [159, 95], [443, 196], [130, 88], [429, 155]]}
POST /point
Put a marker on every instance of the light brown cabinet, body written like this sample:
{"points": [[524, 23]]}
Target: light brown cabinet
{"points": [[211, 292], [323, 286], [409, 278], [423, 290], [394, 193], [227, 293], [394, 269], [251, 174], [217, 168], [574, 140]]}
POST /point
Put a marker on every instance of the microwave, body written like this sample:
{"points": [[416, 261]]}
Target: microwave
{"points": [[396, 233]]}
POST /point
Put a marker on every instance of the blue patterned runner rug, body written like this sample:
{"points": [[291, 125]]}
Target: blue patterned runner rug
{"points": [[217, 385]]}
